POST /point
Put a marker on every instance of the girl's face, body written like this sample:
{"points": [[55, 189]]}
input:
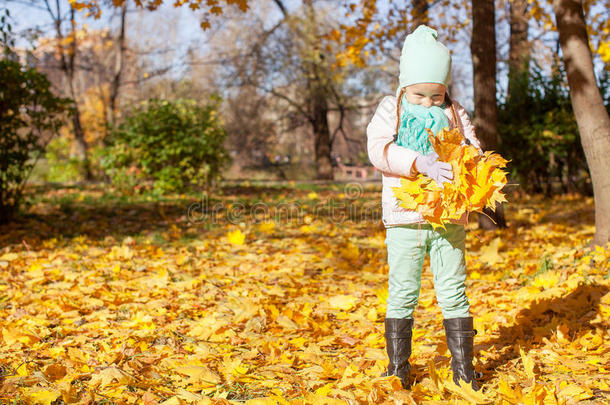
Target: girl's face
{"points": [[426, 94]]}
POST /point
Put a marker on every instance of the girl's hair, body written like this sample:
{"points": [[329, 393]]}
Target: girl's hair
{"points": [[448, 101], [400, 95], [456, 121]]}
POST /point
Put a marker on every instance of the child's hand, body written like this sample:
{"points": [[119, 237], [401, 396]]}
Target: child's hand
{"points": [[433, 168]]}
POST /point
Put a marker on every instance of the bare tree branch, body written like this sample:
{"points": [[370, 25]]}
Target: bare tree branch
{"points": [[281, 7], [285, 98]]}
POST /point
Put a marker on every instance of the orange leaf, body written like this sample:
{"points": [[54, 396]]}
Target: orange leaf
{"points": [[478, 180]]}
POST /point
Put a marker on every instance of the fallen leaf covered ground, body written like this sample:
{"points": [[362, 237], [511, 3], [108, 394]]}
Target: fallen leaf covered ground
{"points": [[276, 295]]}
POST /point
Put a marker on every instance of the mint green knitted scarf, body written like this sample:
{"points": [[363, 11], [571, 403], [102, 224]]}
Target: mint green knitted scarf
{"points": [[414, 120]]}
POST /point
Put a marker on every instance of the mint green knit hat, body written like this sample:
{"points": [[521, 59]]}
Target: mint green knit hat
{"points": [[423, 59]]}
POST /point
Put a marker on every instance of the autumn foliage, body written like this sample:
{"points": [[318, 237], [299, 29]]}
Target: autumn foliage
{"points": [[133, 303], [478, 182]]}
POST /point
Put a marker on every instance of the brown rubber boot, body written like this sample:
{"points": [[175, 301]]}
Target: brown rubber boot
{"points": [[398, 333], [460, 340]]}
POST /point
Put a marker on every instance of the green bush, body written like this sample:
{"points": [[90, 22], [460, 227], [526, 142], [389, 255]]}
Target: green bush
{"points": [[175, 145], [29, 116], [538, 132], [61, 166]]}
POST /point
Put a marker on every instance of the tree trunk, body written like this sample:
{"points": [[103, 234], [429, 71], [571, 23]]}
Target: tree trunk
{"points": [[318, 93], [589, 110], [419, 13], [79, 134], [518, 52], [321, 133], [483, 49], [68, 67], [118, 68]]}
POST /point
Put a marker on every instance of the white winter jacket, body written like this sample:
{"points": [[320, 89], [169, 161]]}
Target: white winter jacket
{"points": [[396, 161]]}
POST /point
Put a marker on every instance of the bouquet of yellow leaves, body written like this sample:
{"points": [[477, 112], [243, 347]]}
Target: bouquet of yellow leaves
{"points": [[477, 182]]}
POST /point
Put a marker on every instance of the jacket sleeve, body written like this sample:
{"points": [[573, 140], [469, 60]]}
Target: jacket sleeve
{"points": [[383, 152], [466, 126]]}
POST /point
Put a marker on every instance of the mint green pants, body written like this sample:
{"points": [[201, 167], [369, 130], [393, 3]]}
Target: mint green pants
{"points": [[407, 248]]}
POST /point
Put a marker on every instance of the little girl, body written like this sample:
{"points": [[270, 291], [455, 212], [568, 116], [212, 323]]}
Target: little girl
{"points": [[425, 66]]}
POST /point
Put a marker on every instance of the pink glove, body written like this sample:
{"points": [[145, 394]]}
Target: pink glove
{"points": [[434, 168]]}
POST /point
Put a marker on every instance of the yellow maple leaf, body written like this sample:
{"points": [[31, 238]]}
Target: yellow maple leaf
{"points": [[547, 280], [266, 227], [466, 391], [447, 145], [9, 257], [201, 376], [261, 401], [477, 182], [437, 383], [350, 251], [324, 390], [108, 375], [44, 397], [528, 364], [489, 253], [236, 237], [514, 396], [343, 302], [315, 399]]}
